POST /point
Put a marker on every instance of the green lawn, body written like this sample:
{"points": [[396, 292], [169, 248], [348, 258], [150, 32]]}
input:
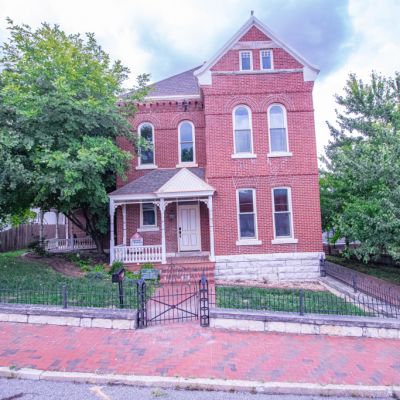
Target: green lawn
{"points": [[387, 273], [287, 300], [28, 282]]}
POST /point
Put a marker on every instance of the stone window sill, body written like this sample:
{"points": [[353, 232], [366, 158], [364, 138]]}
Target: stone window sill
{"points": [[285, 241], [248, 242], [148, 229], [187, 165], [244, 155], [147, 166], [280, 154]]}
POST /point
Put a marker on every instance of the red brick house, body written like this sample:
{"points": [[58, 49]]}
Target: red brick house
{"points": [[230, 172]]}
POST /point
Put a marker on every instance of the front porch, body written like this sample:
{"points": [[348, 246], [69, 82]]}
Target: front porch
{"points": [[164, 214]]}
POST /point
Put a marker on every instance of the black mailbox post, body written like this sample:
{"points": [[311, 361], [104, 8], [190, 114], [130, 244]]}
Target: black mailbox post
{"points": [[118, 277]]}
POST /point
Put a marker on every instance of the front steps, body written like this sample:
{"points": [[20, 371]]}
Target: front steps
{"points": [[183, 270]]}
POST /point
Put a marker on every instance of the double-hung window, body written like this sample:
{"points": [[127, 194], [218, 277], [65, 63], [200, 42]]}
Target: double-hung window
{"points": [[278, 135], [146, 147], [148, 217], [282, 206], [242, 130], [247, 218], [266, 59], [186, 143], [246, 60]]}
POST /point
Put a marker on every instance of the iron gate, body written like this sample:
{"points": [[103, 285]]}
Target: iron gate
{"points": [[172, 303]]}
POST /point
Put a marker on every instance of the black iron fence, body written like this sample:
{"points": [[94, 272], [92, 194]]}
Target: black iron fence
{"points": [[155, 304], [300, 301], [90, 294], [359, 282]]}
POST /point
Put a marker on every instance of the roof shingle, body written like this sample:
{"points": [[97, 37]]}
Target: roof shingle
{"points": [[152, 181]]}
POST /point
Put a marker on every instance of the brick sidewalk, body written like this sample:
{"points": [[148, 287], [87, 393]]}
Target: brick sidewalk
{"points": [[186, 350]]}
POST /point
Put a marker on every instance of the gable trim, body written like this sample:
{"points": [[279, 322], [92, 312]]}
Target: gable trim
{"points": [[203, 74]]}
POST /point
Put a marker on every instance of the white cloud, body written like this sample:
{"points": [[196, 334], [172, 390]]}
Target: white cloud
{"points": [[195, 30], [375, 47]]}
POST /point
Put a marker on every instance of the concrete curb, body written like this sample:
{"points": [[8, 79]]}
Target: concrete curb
{"points": [[311, 389]]}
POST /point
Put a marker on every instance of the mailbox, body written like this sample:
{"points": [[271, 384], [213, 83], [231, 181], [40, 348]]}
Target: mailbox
{"points": [[118, 276]]}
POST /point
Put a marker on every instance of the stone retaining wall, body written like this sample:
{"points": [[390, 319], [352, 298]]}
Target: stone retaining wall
{"points": [[268, 267], [83, 317], [307, 324]]}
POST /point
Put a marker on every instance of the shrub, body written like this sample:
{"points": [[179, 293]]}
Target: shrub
{"points": [[147, 266], [37, 247], [116, 265]]}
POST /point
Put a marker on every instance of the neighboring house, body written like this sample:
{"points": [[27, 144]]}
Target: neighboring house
{"points": [[231, 171]]}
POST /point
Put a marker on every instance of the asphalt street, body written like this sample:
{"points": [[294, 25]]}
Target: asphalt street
{"points": [[15, 389]]}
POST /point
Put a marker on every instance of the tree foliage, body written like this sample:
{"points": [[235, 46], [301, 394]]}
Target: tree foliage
{"points": [[360, 185], [59, 120]]}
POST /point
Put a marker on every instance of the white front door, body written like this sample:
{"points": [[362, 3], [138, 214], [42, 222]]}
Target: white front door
{"points": [[189, 227]]}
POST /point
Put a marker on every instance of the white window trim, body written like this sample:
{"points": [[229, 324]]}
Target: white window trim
{"points": [[251, 60], [272, 60], [244, 154], [278, 153], [187, 163], [144, 228], [283, 239], [246, 240], [147, 166]]}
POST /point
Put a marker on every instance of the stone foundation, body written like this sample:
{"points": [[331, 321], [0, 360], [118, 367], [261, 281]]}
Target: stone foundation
{"points": [[268, 267]]}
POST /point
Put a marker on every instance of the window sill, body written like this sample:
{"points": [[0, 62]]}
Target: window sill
{"points": [[248, 242], [285, 241], [187, 165], [147, 166], [244, 155], [148, 229], [280, 154]]}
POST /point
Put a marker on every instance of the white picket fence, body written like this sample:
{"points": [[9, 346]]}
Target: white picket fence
{"points": [[60, 245], [137, 254]]}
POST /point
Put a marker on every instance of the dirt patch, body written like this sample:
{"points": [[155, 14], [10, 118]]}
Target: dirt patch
{"points": [[312, 285], [57, 263]]}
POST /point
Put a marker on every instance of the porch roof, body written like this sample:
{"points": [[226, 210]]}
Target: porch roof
{"points": [[165, 182]]}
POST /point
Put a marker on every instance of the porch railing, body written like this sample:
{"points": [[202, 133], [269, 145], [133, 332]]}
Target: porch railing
{"points": [[138, 254], [84, 243]]}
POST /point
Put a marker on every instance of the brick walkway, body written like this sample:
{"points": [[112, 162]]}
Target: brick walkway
{"points": [[190, 351]]}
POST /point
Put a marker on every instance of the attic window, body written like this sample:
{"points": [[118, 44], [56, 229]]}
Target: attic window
{"points": [[246, 61], [266, 59]]}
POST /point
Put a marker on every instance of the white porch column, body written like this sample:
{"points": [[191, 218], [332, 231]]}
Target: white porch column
{"points": [[163, 244], [211, 221], [56, 224], [112, 213], [124, 224], [66, 228]]}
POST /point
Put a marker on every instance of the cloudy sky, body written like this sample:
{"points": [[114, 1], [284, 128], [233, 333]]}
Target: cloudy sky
{"points": [[165, 37]]}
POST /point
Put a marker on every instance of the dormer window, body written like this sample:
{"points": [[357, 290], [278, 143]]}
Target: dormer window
{"points": [[246, 61], [266, 59]]}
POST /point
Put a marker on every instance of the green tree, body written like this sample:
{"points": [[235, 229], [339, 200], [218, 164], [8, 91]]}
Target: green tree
{"points": [[361, 181], [59, 124]]}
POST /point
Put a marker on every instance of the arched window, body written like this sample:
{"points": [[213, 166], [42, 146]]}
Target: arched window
{"points": [[242, 130], [146, 149], [186, 142], [278, 139]]}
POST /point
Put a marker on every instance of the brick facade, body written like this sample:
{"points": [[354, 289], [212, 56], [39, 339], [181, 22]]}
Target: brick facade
{"points": [[211, 115]]}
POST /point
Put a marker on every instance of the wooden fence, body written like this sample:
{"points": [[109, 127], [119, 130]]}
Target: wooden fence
{"points": [[20, 237]]}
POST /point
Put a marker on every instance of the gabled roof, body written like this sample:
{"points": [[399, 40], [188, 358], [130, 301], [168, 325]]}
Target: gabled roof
{"points": [[184, 181], [204, 73], [153, 183]]}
